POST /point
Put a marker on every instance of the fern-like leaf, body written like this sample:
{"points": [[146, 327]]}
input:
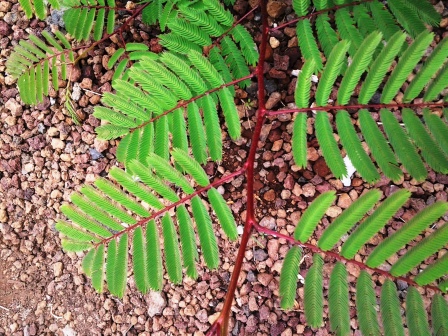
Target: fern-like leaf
{"points": [[373, 223], [154, 256], [223, 213], [163, 168], [437, 85], [429, 149], [288, 277], [191, 166], [205, 231], [390, 310], [434, 62], [329, 146], [197, 136], [313, 293], [405, 65], [312, 215], [416, 317], [404, 149], [353, 146], [361, 61], [378, 146], [366, 305], [299, 141], [332, 70], [307, 43], [188, 241], [97, 270], [140, 261], [406, 233], [338, 301], [424, 248], [173, 261], [438, 129], [302, 93], [348, 218], [439, 309]]}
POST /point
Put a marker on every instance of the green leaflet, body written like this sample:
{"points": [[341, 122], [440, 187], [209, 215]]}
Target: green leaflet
{"points": [[383, 19], [437, 85], [390, 310], [218, 12], [230, 113], [313, 293], [312, 216], [438, 129], [402, 145], [102, 202], [308, 45], [172, 253], [140, 258], [328, 145], [347, 30], [355, 151], [206, 69], [416, 317], [433, 63], [161, 139], [407, 17], [84, 221], [338, 301], [205, 231], [189, 31], [74, 246], [137, 189], [178, 129], [196, 131], [288, 277], [366, 305], [191, 166], [73, 233], [94, 211], [405, 65], [406, 233], [223, 213], [299, 140], [433, 271], [301, 7], [212, 127], [163, 168], [378, 146], [332, 70], [347, 219], [302, 93], [327, 36], [188, 241], [153, 181], [154, 255], [439, 311], [373, 223], [119, 196], [248, 47], [87, 262], [110, 266], [429, 149], [360, 62], [97, 272], [235, 60]]}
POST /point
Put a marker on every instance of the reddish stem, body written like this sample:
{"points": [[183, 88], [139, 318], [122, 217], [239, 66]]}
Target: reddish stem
{"points": [[221, 325]]}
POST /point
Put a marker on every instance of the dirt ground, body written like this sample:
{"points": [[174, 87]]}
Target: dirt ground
{"points": [[44, 157]]}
